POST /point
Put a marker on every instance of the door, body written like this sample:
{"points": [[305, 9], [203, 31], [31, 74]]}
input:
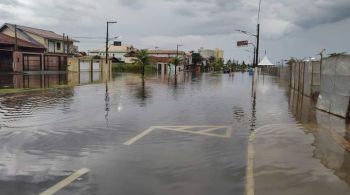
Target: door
{"points": [[31, 62]]}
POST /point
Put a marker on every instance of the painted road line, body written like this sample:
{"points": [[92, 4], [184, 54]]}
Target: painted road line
{"points": [[139, 136], [211, 129], [184, 129], [250, 182], [195, 132], [250, 185], [62, 184]]}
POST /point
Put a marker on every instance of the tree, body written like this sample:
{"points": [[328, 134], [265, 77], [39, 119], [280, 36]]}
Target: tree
{"points": [[143, 59], [196, 58], [218, 64], [176, 61], [291, 61]]}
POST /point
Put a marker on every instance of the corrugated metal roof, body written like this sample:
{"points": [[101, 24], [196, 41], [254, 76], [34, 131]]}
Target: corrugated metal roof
{"points": [[8, 40], [115, 49]]}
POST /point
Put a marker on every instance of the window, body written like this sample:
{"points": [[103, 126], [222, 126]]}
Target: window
{"points": [[51, 46], [58, 46]]}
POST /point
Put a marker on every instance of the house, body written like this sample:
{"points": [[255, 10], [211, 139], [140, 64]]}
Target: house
{"points": [[115, 51], [54, 43], [53, 57], [163, 59], [8, 46]]}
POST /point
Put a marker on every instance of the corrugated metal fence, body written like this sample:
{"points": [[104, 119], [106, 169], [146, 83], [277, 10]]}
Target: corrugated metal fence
{"points": [[327, 81]]}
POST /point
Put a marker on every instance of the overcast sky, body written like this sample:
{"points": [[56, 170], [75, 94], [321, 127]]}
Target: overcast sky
{"points": [[298, 28]]}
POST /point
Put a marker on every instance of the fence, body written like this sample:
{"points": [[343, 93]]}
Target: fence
{"points": [[305, 77], [327, 81], [335, 89]]}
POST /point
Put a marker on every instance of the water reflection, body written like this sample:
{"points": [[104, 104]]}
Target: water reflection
{"points": [[26, 81], [42, 81], [330, 132], [47, 134]]}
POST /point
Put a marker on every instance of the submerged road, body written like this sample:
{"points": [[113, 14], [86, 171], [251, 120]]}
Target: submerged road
{"points": [[196, 134]]}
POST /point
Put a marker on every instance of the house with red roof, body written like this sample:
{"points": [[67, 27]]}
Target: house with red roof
{"points": [[25, 48]]}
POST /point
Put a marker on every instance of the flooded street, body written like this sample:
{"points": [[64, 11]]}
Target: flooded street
{"points": [[166, 135]]}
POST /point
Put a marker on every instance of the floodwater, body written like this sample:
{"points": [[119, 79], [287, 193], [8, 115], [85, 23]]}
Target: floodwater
{"points": [[166, 135]]}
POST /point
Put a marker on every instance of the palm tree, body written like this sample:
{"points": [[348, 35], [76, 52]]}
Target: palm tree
{"points": [[143, 59], [176, 61]]}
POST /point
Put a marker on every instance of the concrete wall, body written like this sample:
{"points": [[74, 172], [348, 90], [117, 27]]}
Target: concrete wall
{"points": [[73, 64], [335, 85], [17, 61]]}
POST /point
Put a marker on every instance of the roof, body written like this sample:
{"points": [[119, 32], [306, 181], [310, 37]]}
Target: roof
{"points": [[8, 40], [265, 62], [115, 49], [169, 52], [40, 32]]}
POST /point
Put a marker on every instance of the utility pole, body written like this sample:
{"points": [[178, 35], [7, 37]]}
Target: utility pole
{"points": [[258, 37], [257, 46], [68, 49], [254, 59], [16, 39], [63, 43], [107, 39]]}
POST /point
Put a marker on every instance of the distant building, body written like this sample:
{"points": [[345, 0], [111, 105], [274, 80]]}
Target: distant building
{"points": [[209, 53], [206, 53], [163, 59], [32, 49], [116, 51], [218, 54]]}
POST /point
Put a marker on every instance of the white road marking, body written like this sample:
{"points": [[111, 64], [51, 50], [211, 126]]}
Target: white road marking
{"points": [[139, 136], [183, 129], [250, 189], [62, 184], [250, 182]]}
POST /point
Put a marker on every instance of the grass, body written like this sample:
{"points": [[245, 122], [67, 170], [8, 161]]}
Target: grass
{"points": [[133, 68]]}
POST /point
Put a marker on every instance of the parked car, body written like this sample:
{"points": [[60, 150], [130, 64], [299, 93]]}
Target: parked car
{"points": [[226, 70]]}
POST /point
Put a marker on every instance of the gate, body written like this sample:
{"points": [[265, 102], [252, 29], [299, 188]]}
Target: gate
{"points": [[32, 62], [55, 63], [85, 66]]}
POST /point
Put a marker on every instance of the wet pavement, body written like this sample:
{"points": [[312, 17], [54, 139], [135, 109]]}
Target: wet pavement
{"points": [[162, 135]]}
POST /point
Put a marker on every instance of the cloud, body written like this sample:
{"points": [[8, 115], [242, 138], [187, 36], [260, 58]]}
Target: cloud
{"points": [[169, 42], [164, 23]]}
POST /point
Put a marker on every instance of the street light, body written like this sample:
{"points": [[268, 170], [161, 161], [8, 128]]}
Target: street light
{"points": [[257, 36], [246, 32], [107, 38], [253, 35]]}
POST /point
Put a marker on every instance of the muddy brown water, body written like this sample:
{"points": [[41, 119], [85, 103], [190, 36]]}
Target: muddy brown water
{"points": [[47, 135]]}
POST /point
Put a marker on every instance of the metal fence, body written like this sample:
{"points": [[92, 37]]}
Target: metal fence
{"points": [[335, 85], [305, 77], [327, 81]]}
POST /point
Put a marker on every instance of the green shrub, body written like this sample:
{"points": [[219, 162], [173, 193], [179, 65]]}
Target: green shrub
{"points": [[134, 68]]}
